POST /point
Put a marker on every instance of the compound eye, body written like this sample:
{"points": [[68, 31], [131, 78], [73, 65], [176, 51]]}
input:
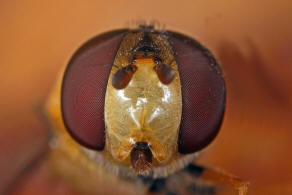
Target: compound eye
{"points": [[203, 94], [84, 86]]}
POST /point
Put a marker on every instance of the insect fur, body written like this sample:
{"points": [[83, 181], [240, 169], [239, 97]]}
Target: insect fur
{"points": [[128, 99]]}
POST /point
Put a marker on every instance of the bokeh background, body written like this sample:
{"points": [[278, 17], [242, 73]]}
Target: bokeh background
{"points": [[252, 41]]}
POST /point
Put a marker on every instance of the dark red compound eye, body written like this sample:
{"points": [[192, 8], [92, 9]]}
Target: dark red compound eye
{"points": [[203, 94], [84, 86]]}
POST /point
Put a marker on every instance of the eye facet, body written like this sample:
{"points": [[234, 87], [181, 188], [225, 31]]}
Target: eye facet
{"points": [[203, 94], [84, 87]]}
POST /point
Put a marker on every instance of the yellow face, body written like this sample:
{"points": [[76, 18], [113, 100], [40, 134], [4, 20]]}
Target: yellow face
{"points": [[145, 111]]}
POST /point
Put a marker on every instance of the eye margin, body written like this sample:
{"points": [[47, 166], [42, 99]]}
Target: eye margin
{"points": [[93, 41], [215, 67]]}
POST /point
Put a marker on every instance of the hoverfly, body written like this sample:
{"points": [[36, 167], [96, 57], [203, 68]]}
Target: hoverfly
{"points": [[132, 111]]}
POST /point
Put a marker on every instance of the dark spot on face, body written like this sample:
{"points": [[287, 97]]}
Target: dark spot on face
{"points": [[123, 76], [165, 73]]}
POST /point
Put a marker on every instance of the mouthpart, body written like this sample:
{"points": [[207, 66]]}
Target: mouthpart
{"points": [[141, 157]]}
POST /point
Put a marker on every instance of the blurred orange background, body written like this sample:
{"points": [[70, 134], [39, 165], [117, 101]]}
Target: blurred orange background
{"points": [[252, 41]]}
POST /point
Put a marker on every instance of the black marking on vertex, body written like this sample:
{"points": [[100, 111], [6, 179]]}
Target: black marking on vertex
{"points": [[146, 45]]}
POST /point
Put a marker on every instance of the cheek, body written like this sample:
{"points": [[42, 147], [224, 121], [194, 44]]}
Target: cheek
{"points": [[203, 94], [83, 89]]}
